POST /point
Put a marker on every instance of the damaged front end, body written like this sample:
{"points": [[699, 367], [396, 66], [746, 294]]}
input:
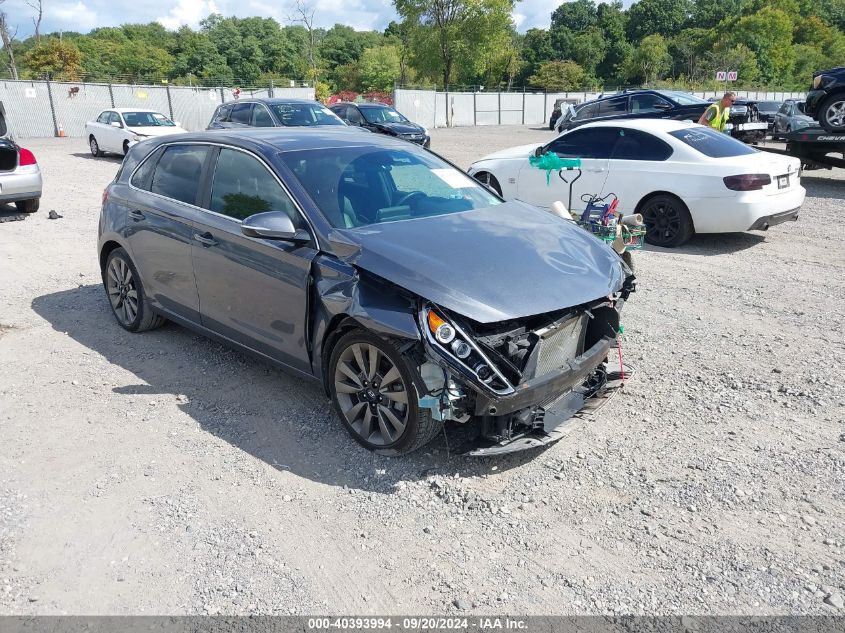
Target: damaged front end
{"points": [[523, 379]]}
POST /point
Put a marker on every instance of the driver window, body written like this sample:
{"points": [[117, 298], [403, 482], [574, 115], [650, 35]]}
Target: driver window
{"points": [[648, 103], [261, 117], [591, 143], [114, 117], [243, 186], [354, 116]]}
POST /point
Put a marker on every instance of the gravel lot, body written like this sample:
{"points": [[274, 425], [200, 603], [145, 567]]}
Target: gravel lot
{"points": [[163, 473]]}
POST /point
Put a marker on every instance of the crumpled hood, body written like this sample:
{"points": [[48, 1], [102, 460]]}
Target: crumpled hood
{"points": [[156, 130], [400, 128], [522, 151], [504, 262]]}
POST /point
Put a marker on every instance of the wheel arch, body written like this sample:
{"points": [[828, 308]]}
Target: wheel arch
{"points": [[106, 250]]}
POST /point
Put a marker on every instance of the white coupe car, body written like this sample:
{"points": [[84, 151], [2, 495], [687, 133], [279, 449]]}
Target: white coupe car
{"points": [[682, 177], [117, 129]]}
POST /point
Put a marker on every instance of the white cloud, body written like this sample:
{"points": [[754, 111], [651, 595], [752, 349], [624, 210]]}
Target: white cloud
{"points": [[76, 17], [188, 12]]}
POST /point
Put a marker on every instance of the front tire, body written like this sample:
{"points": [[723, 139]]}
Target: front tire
{"points": [[667, 220], [125, 291], [28, 206], [374, 394], [96, 152], [832, 113], [125, 147]]}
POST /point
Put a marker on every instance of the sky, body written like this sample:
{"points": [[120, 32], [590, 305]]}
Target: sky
{"points": [[84, 15]]}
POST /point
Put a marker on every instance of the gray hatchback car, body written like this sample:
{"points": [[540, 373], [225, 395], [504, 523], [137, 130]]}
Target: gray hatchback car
{"points": [[409, 291]]}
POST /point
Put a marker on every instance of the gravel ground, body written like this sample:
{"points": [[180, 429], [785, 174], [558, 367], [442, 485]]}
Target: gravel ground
{"points": [[163, 473]]}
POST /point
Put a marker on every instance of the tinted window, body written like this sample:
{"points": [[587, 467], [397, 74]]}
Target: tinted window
{"points": [[222, 114], [637, 145], [642, 104], [712, 143], [594, 142], [589, 111], [354, 116], [261, 116], [381, 114], [241, 113], [784, 109], [360, 185], [177, 174], [243, 186], [339, 110], [141, 177], [613, 106], [301, 114], [147, 119], [684, 98]]}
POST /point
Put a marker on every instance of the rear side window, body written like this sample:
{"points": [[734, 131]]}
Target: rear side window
{"points": [[595, 142], [637, 145], [589, 111], [613, 106], [712, 143], [177, 173], [141, 177], [241, 113], [243, 186]]}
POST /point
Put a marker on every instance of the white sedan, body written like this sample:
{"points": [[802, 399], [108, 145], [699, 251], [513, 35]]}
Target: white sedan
{"points": [[682, 177], [117, 129]]}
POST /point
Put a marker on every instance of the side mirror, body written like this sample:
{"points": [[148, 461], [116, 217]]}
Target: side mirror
{"points": [[115, 124], [273, 225], [538, 152], [177, 124]]}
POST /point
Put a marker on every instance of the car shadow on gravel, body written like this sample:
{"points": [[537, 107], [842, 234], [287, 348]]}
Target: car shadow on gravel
{"points": [[112, 158], [712, 244], [823, 186], [285, 421]]}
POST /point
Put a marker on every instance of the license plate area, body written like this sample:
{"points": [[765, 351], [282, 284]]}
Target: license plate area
{"points": [[783, 181]]}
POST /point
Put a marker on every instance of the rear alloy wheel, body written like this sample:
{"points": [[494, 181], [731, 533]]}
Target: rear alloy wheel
{"points": [[374, 395], [28, 206], [667, 221], [832, 113], [95, 147], [126, 294]]}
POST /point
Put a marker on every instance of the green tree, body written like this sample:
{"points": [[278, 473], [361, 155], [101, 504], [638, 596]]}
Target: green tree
{"points": [[768, 33], [657, 17], [650, 60], [379, 68], [706, 14], [55, 59], [569, 20], [196, 56], [686, 50], [556, 76], [612, 20]]}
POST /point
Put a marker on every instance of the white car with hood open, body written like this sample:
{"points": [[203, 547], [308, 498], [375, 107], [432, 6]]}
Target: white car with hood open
{"points": [[682, 177], [117, 129]]}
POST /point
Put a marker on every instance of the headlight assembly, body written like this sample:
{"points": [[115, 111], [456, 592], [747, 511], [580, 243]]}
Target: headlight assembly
{"points": [[451, 341]]}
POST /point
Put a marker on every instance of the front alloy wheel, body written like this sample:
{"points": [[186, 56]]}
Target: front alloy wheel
{"points": [[375, 396], [95, 148], [833, 114]]}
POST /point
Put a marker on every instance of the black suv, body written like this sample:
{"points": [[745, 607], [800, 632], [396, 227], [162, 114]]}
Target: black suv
{"points": [[272, 113], [826, 99], [381, 118], [636, 104]]}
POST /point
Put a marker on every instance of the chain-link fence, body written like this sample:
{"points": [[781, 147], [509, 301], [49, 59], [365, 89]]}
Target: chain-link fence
{"points": [[48, 108], [453, 109]]}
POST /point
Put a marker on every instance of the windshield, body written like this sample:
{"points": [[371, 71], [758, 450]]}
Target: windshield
{"points": [[768, 106], [382, 115], [299, 114], [365, 185], [147, 119], [683, 98], [712, 143]]}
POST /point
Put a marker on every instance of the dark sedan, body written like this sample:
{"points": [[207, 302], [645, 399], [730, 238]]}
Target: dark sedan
{"points": [[272, 113], [636, 104], [374, 267], [382, 119]]}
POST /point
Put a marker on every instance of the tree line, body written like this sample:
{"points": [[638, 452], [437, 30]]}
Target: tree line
{"points": [[459, 43]]}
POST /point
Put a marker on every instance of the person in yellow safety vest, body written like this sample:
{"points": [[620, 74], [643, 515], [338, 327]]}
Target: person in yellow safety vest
{"points": [[717, 114]]}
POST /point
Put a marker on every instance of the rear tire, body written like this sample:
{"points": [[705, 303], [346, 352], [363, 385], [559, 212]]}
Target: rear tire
{"points": [[375, 397], [96, 152], [667, 220], [831, 113], [126, 295], [28, 206]]}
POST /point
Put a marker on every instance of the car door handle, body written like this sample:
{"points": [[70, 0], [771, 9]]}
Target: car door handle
{"points": [[136, 215], [205, 239], [595, 169]]}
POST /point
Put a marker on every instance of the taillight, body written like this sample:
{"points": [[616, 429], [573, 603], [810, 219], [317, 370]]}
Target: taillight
{"points": [[26, 158], [747, 182]]}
